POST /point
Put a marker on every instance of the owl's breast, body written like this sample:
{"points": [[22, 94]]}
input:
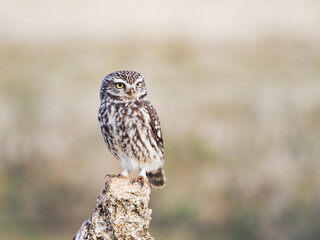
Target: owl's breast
{"points": [[129, 121], [122, 121], [129, 133]]}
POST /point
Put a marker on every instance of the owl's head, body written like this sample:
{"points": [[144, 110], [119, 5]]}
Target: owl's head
{"points": [[123, 86]]}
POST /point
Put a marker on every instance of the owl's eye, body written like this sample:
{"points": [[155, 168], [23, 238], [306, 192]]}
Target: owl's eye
{"points": [[119, 85], [138, 84]]}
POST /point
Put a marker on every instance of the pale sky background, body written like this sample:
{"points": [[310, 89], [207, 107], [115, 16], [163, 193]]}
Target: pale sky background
{"points": [[195, 20]]}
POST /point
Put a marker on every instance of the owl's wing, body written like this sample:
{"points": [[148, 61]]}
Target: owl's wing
{"points": [[155, 125]]}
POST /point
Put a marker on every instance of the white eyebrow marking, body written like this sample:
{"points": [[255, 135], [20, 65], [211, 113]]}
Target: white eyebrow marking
{"points": [[117, 80], [139, 80]]}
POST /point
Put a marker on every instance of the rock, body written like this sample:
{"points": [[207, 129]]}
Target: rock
{"points": [[121, 212]]}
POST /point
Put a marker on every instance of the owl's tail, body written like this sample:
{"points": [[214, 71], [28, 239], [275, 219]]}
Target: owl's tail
{"points": [[156, 178]]}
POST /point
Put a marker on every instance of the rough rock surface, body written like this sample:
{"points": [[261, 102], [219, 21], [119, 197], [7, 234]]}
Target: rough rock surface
{"points": [[121, 212]]}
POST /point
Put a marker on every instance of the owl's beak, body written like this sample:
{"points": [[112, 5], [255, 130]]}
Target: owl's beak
{"points": [[131, 92]]}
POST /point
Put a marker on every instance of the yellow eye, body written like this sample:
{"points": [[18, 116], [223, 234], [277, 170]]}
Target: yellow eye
{"points": [[119, 85], [138, 84]]}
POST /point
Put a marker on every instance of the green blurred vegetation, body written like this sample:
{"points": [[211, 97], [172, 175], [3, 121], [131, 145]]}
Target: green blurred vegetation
{"points": [[241, 123]]}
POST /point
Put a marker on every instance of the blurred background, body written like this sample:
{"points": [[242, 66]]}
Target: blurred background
{"points": [[236, 85]]}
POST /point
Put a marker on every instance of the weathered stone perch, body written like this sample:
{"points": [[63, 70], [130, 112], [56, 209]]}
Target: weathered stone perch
{"points": [[121, 212]]}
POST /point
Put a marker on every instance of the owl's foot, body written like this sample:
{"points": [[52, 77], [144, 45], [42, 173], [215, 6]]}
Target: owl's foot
{"points": [[116, 176], [124, 174], [141, 180]]}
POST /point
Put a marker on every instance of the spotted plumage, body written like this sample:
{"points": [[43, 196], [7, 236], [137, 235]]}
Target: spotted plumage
{"points": [[130, 126]]}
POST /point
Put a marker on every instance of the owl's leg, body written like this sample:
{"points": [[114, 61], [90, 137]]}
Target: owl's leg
{"points": [[141, 178], [143, 173], [125, 173]]}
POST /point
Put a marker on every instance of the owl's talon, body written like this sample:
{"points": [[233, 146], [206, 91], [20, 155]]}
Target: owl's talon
{"points": [[139, 180], [120, 176], [111, 175], [115, 176]]}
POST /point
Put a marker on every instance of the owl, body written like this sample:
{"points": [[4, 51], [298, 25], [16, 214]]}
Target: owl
{"points": [[131, 128]]}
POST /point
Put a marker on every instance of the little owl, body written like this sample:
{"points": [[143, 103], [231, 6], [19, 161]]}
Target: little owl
{"points": [[131, 128]]}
